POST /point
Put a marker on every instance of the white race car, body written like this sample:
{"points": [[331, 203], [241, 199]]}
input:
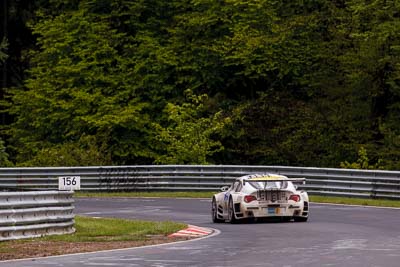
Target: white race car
{"points": [[261, 196]]}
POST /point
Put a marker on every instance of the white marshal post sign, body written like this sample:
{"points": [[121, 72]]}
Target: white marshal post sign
{"points": [[69, 183]]}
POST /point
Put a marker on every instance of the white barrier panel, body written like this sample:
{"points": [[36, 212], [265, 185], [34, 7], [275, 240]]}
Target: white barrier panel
{"points": [[35, 214], [321, 181]]}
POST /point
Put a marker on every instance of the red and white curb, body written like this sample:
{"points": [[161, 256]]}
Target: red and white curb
{"points": [[192, 231]]}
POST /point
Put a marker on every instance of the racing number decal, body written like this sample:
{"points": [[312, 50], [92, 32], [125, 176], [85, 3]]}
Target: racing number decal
{"points": [[226, 199], [226, 196]]}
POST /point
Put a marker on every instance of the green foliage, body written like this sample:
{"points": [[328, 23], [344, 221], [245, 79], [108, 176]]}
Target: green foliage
{"points": [[362, 162], [303, 83], [277, 129], [371, 65], [3, 49], [85, 152], [4, 162], [80, 84], [189, 136]]}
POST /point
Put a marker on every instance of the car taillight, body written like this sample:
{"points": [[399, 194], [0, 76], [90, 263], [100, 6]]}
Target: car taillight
{"points": [[295, 198], [249, 198]]}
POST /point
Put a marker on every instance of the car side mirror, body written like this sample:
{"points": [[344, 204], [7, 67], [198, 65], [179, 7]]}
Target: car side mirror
{"points": [[224, 188]]}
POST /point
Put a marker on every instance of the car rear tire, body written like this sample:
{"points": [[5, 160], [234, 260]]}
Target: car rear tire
{"points": [[231, 212], [214, 211]]}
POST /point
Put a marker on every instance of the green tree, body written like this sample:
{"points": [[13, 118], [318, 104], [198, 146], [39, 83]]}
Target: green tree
{"points": [[190, 136], [362, 162], [3, 49], [85, 152], [371, 67], [304, 82], [4, 162], [81, 83]]}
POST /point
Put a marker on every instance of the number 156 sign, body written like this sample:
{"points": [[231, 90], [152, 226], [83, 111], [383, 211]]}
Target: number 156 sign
{"points": [[69, 183]]}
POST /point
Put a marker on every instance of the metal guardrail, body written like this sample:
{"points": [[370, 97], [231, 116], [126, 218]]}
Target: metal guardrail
{"points": [[35, 214], [320, 181]]}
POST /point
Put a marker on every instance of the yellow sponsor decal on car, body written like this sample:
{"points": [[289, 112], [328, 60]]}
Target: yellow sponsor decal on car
{"points": [[269, 178]]}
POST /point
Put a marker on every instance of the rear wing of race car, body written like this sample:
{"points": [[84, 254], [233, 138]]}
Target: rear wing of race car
{"points": [[293, 180]]}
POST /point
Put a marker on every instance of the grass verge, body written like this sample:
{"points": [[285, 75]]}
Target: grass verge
{"points": [[162, 194], [313, 198], [356, 201], [108, 229], [93, 234]]}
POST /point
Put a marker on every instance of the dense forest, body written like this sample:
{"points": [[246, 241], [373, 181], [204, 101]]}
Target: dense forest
{"points": [[256, 82]]}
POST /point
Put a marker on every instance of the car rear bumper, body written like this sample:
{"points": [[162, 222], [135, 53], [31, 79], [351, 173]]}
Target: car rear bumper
{"points": [[270, 210]]}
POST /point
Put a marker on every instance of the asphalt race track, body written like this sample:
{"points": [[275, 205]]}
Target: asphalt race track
{"points": [[334, 236]]}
